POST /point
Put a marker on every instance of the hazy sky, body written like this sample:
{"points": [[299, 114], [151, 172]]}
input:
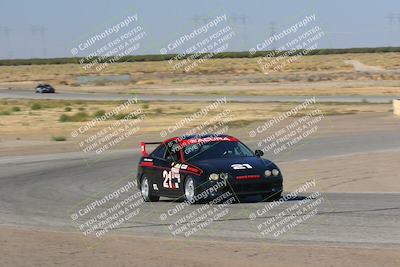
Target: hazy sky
{"points": [[51, 28]]}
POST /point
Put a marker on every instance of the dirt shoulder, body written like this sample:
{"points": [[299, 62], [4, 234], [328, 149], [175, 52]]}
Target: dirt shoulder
{"points": [[19, 246]]}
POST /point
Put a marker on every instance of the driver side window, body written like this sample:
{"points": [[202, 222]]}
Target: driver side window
{"points": [[172, 154]]}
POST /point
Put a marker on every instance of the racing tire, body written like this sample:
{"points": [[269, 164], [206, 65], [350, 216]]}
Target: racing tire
{"points": [[146, 191], [190, 190], [239, 199]]}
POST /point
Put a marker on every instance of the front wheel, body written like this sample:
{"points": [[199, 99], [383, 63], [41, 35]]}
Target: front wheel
{"points": [[190, 190], [146, 192]]}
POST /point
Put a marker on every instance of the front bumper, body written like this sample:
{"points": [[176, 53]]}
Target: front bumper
{"points": [[262, 186]]}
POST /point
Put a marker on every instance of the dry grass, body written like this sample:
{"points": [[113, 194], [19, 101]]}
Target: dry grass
{"points": [[310, 75], [44, 123], [65, 74]]}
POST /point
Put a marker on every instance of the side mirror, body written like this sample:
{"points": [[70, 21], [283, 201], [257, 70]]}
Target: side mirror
{"points": [[259, 153]]}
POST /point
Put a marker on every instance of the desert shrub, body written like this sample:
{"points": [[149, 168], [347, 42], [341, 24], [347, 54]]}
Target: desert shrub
{"points": [[121, 116], [36, 106], [99, 113], [77, 117], [5, 113], [58, 138], [63, 118], [158, 111]]}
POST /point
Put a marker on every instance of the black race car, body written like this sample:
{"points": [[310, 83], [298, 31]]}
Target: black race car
{"points": [[199, 168], [44, 88]]}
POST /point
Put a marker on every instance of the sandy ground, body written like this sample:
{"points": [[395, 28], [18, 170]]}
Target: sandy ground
{"points": [[358, 66], [26, 134], [31, 131], [27, 247], [372, 172]]}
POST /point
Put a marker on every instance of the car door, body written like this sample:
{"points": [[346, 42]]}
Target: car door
{"points": [[164, 174], [171, 179]]}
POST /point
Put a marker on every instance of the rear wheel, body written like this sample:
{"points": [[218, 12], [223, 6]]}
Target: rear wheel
{"points": [[146, 191]]}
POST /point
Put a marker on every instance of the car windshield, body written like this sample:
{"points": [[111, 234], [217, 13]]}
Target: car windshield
{"points": [[212, 150]]}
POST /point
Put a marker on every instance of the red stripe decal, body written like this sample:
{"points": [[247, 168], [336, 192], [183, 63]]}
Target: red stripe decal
{"points": [[208, 139], [247, 177], [146, 163]]}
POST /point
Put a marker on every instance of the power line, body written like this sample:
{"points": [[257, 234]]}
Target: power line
{"points": [[234, 19]]}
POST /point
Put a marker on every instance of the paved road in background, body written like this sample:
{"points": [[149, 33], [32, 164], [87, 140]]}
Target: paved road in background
{"points": [[29, 94]]}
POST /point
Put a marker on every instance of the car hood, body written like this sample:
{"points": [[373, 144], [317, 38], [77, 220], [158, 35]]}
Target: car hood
{"points": [[237, 165]]}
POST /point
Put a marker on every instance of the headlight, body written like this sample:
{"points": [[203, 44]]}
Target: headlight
{"points": [[268, 173], [214, 177], [275, 172]]}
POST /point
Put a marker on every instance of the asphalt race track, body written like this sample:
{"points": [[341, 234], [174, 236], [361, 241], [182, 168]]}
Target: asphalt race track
{"points": [[43, 191], [29, 94]]}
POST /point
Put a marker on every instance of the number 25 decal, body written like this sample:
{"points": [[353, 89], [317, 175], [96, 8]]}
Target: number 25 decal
{"points": [[168, 176], [241, 166]]}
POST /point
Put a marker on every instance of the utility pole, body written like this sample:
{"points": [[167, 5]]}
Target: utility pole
{"points": [[272, 32], [242, 22], [42, 31], [391, 17], [7, 33], [196, 20], [34, 31]]}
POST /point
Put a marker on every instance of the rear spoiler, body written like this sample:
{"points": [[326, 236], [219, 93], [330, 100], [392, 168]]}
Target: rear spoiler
{"points": [[143, 146]]}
